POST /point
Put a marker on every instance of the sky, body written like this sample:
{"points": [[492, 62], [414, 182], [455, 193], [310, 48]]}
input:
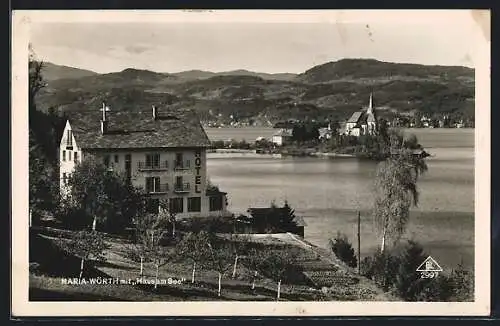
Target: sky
{"points": [[271, 43]]}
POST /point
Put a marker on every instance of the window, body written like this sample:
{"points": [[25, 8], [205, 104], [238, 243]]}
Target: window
{"points": [[152, 184], [178, 182], [178, 160], [153, 160], [177, 205], [69, 138], [69, 155], [64, 156], [75, 157], [106, 160], [64, 179], [128, 167], [194, 204], [116, 158], [215, 203]]}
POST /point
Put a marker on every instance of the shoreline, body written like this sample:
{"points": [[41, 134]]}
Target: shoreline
{"points": [[254, 153]]}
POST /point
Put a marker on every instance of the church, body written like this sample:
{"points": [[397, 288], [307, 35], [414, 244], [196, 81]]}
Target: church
{"points": [[362, 122]]}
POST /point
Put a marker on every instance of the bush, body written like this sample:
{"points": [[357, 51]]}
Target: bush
{"points": [[343, 249], [463, 284], [382, 268], [73, 218], [395, 271], [210, 224], [408, 282]]}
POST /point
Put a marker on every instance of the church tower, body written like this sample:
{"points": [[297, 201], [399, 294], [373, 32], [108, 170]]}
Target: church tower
{"points": [[370, 106], [371, 118]]}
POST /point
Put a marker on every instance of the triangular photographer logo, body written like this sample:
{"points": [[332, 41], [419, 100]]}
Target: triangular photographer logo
{"points": [[429, 265]]}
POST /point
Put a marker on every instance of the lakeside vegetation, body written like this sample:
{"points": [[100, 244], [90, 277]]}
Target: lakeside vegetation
{"points": [[305, 141]]}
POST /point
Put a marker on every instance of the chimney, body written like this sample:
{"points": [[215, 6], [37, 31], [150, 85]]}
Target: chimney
{"points": [[155, 112]]}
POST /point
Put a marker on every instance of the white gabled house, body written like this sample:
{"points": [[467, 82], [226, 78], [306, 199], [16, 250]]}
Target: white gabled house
{"points": [[162, 152], [282, 137]]}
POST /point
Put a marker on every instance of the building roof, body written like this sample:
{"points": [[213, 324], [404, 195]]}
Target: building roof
{"points": [[138, 129], [355, 117], [284, 133], [262, 211]]}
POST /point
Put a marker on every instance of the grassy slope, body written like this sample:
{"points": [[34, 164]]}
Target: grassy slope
{"points": [[53, 72], [46, 284]]}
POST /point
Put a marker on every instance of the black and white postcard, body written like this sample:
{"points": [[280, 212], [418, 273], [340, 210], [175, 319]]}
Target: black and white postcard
{"points": [[250, 163]]}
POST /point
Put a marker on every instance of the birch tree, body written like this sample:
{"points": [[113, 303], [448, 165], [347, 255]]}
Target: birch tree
{"points": [[240, 246], [254, 260], [278, 264], [194, 247], [151, 229], [86, 245], [220, 258], [395, 192]]}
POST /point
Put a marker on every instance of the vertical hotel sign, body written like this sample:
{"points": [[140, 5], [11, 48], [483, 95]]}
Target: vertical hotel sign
{"points": [[197, 166]]}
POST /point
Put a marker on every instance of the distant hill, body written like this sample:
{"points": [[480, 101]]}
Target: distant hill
{"points": [[53, 72], [361, 69], [200, 74], [332, 90], [193, 74]]}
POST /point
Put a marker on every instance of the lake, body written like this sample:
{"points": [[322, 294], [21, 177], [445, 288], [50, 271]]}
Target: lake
{"points": [[328, 193]]}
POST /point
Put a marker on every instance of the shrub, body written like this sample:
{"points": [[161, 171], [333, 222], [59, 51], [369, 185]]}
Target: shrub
{"points": [[440, 288], [343, 249], [381, 268], [408, 282], [463, 284], [210, 224], [395, 270], [73, 218]]}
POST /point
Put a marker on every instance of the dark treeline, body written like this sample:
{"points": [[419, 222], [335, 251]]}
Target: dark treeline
{"points": [[45, 131]]}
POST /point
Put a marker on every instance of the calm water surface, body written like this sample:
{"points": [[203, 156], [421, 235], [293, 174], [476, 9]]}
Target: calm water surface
{"points": [[330, 192]]}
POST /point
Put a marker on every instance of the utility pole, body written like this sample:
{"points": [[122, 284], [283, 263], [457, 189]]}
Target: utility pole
{"points": [[359, 242]]}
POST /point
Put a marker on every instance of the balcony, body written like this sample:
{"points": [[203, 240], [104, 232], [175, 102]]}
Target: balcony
{"points": [[159, 189], [147, 166], [180, 188], [179, 165]]}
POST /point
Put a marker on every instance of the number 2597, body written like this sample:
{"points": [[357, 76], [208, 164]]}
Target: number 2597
{"points": [[428, 274]]}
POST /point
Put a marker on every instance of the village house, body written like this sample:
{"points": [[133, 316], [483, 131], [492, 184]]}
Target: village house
{"points": [[261, 218], [282, 137], [362, 122], [162, 152], [426, 121], [325, 133]]}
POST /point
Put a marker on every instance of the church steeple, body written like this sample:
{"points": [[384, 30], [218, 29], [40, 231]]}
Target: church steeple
{"points": [[370, 105]]}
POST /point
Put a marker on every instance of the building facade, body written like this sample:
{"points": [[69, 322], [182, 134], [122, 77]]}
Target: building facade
{"points": [[164, 153], [282, 137]]}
